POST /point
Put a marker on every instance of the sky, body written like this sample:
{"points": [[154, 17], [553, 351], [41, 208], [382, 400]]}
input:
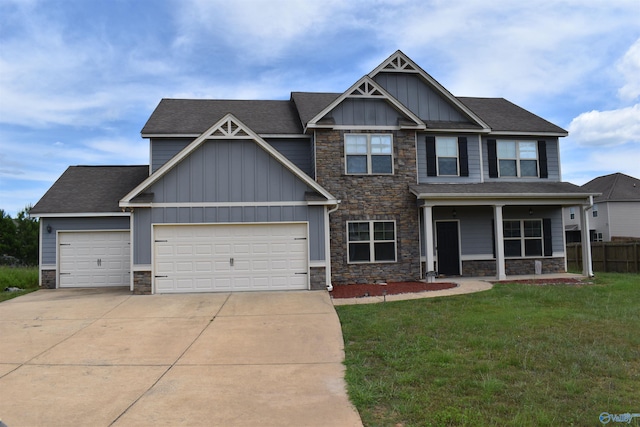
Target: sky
{"points": [[79, 78]]}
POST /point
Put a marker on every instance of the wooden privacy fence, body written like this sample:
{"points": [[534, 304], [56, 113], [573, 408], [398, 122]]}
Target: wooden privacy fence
{"points": [[618, 257]]}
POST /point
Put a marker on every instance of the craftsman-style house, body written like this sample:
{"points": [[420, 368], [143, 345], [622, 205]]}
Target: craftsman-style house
{"points": [[393, 179]]}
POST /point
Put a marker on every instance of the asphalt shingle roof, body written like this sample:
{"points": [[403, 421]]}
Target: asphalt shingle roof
{"points": [[503, 188], [194, 116], [311, 103], [503, 116], [84, 189], [616, 187]]}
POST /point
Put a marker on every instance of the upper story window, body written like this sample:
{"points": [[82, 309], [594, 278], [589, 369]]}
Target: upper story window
{"points": [[572, 213], [595, 210], [518, 158], [368, 154], [447, 154]]}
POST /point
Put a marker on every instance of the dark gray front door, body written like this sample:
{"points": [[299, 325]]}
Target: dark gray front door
{"points": [[448, 248]]}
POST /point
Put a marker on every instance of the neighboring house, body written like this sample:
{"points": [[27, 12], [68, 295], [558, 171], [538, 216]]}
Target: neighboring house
{"points": [[394, 179], [616, 211]]}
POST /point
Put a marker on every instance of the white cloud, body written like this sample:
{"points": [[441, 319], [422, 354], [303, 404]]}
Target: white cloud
{"points": [[607, 128], [629, 67]]}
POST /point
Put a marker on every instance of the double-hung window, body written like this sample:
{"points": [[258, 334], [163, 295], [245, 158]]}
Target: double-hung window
{"points": [[447, 154], [368, 154], [523, 238], [518, 158], [371, 241]]}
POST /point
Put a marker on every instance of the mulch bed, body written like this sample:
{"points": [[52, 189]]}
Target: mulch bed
{"points": [[395, 288]]}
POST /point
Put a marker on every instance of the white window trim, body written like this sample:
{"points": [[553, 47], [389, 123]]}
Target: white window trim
{"points": [[372, 242], [522, 238], [457, 157], [369, 155], [517, 158]]}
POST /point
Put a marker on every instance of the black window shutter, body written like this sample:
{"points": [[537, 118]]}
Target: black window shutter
{"points": [[493, 158], [431, 156], [464, 157], [542, 157], [546, 233]]}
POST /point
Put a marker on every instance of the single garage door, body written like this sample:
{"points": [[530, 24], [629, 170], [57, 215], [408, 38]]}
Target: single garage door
{"points": [[94, 259], [230, 257]]}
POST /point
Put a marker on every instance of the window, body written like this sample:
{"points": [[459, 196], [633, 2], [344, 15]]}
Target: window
{"points": [[595, 211], [518, 158], [447, 154], [522, 237], [371, 241], [368, 154], [572, 213]]}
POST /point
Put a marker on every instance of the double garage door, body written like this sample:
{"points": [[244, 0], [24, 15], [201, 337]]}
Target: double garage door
{"points": [[230, 257], [94, 259]]}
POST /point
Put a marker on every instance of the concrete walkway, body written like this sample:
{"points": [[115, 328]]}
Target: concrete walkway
{"points": [[465, 285], [108, 358]]}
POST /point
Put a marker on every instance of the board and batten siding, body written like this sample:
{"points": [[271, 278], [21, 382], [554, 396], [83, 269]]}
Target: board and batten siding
{"points": [[163, 149], [297, 150], [419, 97], [473, 153], [75, 224], [553, 161], [365, 112], [229, 171]]}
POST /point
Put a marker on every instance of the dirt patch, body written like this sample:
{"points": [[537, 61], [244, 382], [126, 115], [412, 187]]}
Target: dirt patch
{"points": [[394, 288]]}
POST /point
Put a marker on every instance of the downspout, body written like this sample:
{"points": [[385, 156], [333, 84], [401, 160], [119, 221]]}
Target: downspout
{"points": [[587, 267], [327, 249]]}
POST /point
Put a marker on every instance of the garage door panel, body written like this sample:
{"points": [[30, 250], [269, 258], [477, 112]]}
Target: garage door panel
{"points": [[231, 257], [94, 259]]}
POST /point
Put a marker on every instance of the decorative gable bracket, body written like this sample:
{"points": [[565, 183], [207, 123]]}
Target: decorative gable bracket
{"points": [[228, 129], [366, 90], [398, 63]]}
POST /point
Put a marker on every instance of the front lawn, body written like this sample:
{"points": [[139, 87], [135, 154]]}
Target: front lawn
{"points": [[517, 355], [25, 278]]}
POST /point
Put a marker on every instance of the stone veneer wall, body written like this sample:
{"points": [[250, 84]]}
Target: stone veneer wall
{"points": [[513, 267], [48, 279], [141, 282], [371, 197], [317, 279]]}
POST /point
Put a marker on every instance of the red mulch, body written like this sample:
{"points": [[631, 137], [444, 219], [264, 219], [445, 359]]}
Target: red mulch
{"points": [[370, 290]]}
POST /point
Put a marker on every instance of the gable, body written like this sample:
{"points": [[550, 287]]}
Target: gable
{"points": [[229, 131], [223, 171]]}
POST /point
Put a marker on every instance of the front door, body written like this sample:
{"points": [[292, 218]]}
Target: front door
{"points": [[448, 248]]}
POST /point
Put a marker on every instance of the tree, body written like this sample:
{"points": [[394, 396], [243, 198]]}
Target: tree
{"points": [[7, 234], [19, 236]]}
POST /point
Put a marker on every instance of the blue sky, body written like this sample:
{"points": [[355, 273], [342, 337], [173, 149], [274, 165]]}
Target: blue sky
{"points": [[79, 78]]}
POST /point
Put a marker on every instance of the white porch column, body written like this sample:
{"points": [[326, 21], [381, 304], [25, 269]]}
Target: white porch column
{"points": [[428, 241], [587, 267], [499, 240]]}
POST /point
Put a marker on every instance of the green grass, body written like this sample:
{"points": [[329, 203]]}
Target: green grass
{"points": [[25, 278], [517, 355]]}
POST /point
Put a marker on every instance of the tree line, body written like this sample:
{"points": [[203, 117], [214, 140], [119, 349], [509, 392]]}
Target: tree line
{"points": [[19, 238]]}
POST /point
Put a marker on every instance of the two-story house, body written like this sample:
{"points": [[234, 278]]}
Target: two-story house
{"points": [[393, 179], [615, 213]]}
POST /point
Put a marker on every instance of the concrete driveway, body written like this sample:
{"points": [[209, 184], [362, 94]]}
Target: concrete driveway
{"points": [[104, 357]]}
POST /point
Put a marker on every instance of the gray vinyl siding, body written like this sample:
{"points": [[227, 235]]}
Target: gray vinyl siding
{"points": [[229, 171], [419, 97], [476, 225], [314, 215], [623, 218], [553, 157], [297, 150], [75, 224], [163, 149], [369, 112], [473, 152]]}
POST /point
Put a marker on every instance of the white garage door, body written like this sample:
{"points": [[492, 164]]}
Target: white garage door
{"points": [[94, 259], [231, 257]]}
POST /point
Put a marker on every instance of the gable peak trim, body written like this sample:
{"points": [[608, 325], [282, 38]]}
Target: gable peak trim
{"points": [[398, 62]]}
